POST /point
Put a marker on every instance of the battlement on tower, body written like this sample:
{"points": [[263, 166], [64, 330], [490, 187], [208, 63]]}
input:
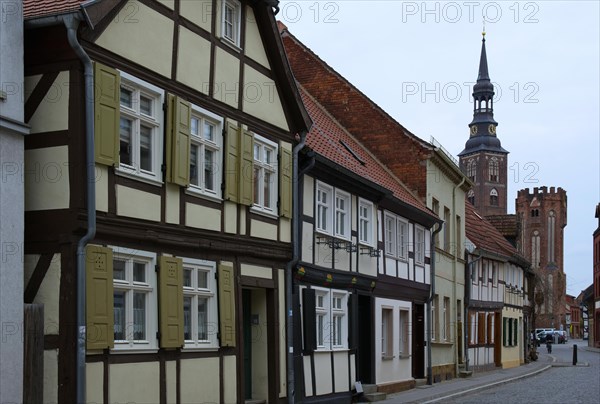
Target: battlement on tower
{"points": [[542, 193]]}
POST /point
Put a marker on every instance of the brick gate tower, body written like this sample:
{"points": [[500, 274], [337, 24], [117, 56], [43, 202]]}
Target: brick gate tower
{"points": [[542, 217]]}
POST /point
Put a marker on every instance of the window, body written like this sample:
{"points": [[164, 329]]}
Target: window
{"points": [[419, 245], [447, 229], [331, 309], [435, 206], [387, 333], [446, 319], [396, 236], [434, 317], [134, 299], [333, 219], [231, 18], [404, 332], [205, 153], [471, 197], [342, 214], [493, 169], [140, 128], [199, 304], [365, 222], [494, 197], [473, 329], [551, 229], [490, 328], [535, 249], [265, 175], [472, 170]]}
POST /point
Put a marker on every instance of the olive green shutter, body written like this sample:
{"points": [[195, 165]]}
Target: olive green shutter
{"points": [[179, 118], [246, 168], [232, 156], [285, 182], [170, 276], [99, 297], [226, 305], [107, 89]]}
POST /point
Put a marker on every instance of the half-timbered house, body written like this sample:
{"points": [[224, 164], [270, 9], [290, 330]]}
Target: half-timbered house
{"points": [[364, 273], [497, 292], [177, 223]]}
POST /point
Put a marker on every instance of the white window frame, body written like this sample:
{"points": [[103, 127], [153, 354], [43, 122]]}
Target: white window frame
{"points": [[216, 145], [402, 238], [334, 319], [260, 167], [446, 319], [324, 210], [365, 222], [403, 324], [344, 213], [236, 7], [387, 332], [130, 286], [396, 236], [139, 87], [389, 230], [210, 293]]}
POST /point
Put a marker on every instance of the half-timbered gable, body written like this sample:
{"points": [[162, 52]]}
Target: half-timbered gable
{"points": [[359, 284], [195, 115], [496, 292]]}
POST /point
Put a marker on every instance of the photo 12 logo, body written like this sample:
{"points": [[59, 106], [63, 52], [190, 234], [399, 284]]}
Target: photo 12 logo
{"points": [[453, 92], [453, 12]]}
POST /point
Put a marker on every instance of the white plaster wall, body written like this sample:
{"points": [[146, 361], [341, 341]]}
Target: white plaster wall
{"points": [[261, 98], [254, 45], [172, 203], [171, 376], [308, 376], [229, 379], [230, 212], [397, 368], [202, 217], [340, 364], [263, 230], [53, 112], [101, 188], [193, 66], [282, 333], [49, 291], [198, 11], [138, 204], [94, 383], [227, 78], [193, 386], [47, 178], [285, 230], [308, 197], [50, 376], [324, 384], [141, 26], [307, 242], [256, 271]]}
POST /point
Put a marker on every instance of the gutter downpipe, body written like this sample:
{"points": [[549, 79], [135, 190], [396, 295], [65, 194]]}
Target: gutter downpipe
{"points": [[289, 268], [454, 264], [71, 22], [431, 294]]}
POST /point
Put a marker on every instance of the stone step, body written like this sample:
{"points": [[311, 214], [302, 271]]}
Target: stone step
{"points": [[369, 388], [253, 401], [465, 373], [420, 382], [372, 397]]}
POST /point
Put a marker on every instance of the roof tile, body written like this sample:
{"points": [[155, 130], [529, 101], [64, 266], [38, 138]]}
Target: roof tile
{"points": [[43, 8]]}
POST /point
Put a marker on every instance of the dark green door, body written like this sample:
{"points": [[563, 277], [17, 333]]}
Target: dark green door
{"points": [[246, 294]]}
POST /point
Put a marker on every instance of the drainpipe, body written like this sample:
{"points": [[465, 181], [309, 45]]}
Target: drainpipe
{"points": [[290, 267], [71, 22], [429, 301], [454, 264]]}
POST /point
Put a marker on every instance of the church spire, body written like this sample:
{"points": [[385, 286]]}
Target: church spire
{"points": [[483, 125]]}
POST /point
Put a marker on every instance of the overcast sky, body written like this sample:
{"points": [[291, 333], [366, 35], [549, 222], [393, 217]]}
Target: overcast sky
{"points": [[418, 61]]}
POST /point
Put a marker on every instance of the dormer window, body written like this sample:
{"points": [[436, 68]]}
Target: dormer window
{"points": [[231, 21]]}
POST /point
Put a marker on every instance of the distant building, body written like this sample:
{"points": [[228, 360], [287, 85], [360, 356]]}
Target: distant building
{"points": [[597, 280]]}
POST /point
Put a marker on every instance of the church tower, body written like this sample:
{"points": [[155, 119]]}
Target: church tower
{"points": [[484, 160]]}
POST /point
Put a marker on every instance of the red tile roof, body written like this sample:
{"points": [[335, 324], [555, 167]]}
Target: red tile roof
{"points": [[484, 235], [325, 138], [42, 8], [505, 224]]}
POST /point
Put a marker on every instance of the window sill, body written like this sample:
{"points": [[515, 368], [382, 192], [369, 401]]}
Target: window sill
{"points": [[200, 349], [325, 350], [393, 257], [270, 215], [442, 343], [199, 194], [387, 358], [404, 356], [135, 350], [231, 44], [138, 177]]}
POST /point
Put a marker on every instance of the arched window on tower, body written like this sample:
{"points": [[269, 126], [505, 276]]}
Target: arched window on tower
{"points": [[493, 169], [485, 103], [550, 237], [494, 197], [471, 197], [535, 249], [472, 170]]}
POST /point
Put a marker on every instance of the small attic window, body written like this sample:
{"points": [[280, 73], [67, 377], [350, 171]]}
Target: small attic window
{"points": [[352, 152]]}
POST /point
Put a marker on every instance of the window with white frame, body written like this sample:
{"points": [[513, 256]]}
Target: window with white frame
{"points": [[342, 214], [387, 333], [434, 317], [333, 211], [205, 153], [331, 309], [134, 283], [446, 319], [404, 332], [396, 236], [365, 222], [199, 304], [140, 128], [265, 175], [419, 245], [231, 21]]}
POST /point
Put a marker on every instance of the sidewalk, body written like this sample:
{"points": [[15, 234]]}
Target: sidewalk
{"points": [[456, 387]]}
